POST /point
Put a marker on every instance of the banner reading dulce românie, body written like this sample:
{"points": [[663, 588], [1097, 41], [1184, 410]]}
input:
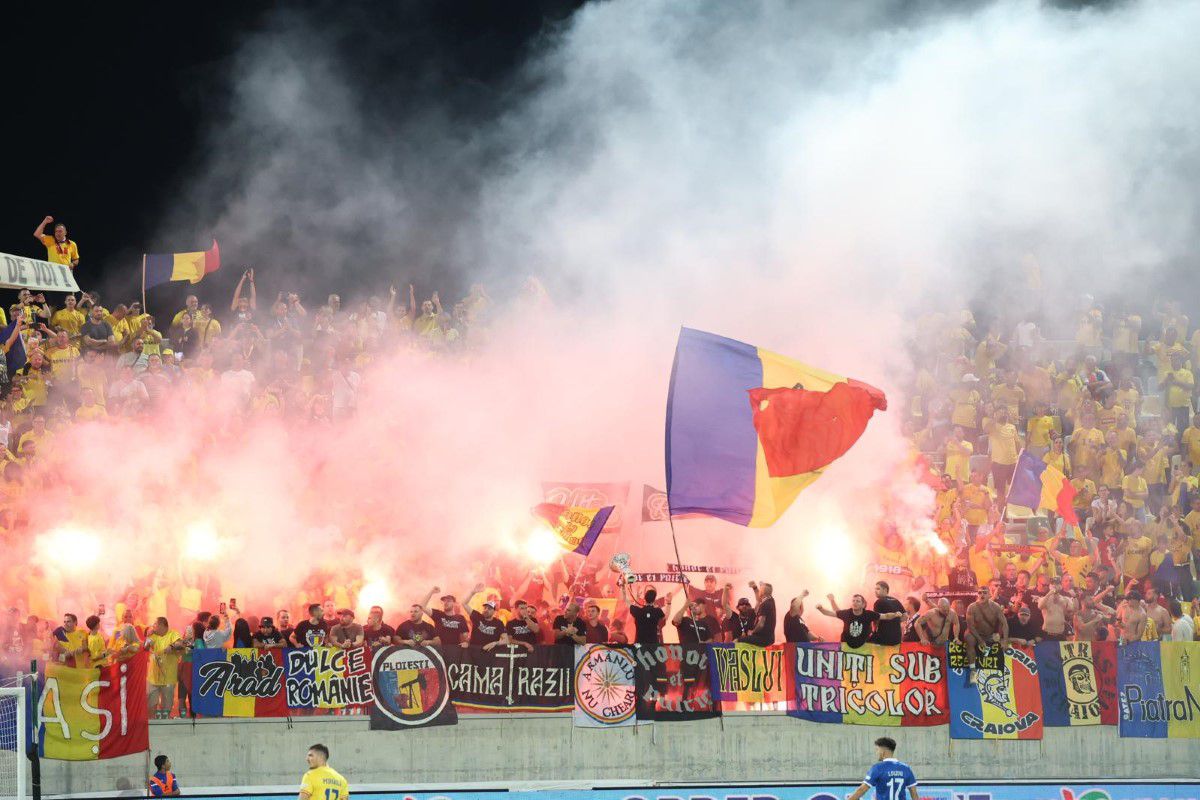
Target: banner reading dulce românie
{"points": [[871, 685]]}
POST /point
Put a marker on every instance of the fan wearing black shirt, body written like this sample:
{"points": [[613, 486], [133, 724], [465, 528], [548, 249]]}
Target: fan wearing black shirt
{"points": [[648, 618], [267, 635], [568, 626], [376, 632], [449, 624], [1022, 629], [887, 628], [794, 628], [415, 631], [693, 625], [311, 632], [858, 621], [486, 627], [283, 624], [739, 621], [523, 630], [763, 632], [594, 631]]}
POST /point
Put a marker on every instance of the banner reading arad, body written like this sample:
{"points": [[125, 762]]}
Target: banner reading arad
{"points": [[410, 688], [240, 682], [605, 686], [19, 272], [91, 713], [871, 685]]}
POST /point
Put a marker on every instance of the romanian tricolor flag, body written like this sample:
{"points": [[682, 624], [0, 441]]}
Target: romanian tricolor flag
{"points": [[1036, 484], [239, 682], [191, 267], [92, 713], [997, 703], [748, 429], [744, 674], [575, 528]]}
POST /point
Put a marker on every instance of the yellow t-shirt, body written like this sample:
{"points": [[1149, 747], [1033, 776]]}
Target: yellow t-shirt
{"points": [[92, 376], [1162, 356], [1192, 520], [1136, 561], [1155, 469], [75, 640], [966, 401], [1125, 334], [976, 501], [1127, 439], [1003, 443], [1085, 443], [67, 320], [57, 253], [1191, 443], [1112, 467], [1039, 429], [1010, 397], [324, 783], [209, 329], [87, 413], [164, 662], [1085, 492], [62, 361], [1106, 418], [1134, 483], [1060, 461], [1077, 567], [97, 650], [958, 459], [1087, 334], [1179, 393]]}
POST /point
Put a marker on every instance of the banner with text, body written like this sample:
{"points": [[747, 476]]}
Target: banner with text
{"points": [[590, 495], [86, 714], [411, 689], [511, 678], [744, 675], [19, 272], [673, 683], [1079, 683], [871, 685], [997, 703], [605, 686]]}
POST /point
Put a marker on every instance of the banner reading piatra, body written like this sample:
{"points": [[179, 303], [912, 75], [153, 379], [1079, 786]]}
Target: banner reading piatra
{"points": [[871, 685], [19, 272], [93, 713]]}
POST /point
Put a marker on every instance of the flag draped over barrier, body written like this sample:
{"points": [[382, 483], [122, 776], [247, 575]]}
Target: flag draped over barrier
{"points": [[93, 713]]}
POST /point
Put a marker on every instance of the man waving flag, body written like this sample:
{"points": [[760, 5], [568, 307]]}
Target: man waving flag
{"points": [[748, 429]]}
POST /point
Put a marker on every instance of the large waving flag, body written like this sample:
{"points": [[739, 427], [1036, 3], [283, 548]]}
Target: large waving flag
{"points": [[748, 429], [1036, 484], [575, 528], [190, 267]]}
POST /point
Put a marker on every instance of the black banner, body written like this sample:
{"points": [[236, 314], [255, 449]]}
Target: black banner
{"points": [[987, 656], [673, 683], [411, 689], [511, 678]]}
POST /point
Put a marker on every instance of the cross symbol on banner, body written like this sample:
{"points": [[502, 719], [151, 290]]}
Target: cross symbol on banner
{"points": [[512, 655]]}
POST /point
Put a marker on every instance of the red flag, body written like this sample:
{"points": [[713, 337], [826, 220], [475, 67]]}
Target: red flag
{"points": [[802, 430]]}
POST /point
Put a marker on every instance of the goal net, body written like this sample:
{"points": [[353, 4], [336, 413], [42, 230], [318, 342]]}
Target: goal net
{"points": [[12, 743]]}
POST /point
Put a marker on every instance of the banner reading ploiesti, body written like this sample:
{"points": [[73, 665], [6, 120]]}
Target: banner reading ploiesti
{"points": [[412, 689]]}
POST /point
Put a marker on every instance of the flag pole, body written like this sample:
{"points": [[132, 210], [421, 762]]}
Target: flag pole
{"points": [[145, 310]]}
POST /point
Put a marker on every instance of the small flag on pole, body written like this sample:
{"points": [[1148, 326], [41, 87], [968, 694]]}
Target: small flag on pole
{"points": [[575, 528], [191, 267]]}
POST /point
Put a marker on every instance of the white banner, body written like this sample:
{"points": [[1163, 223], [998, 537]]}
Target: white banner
{"points": [[605, 686], [19, 272]]}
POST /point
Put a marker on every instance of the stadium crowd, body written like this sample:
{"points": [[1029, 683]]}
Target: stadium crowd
{"points": [[1110, 409]]}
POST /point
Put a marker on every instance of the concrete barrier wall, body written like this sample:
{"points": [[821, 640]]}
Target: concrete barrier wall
{"points": [[507, 748]]}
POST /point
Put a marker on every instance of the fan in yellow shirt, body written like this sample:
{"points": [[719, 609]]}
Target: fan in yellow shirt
{"points": [[1164, 349], [1112, 462], [89, 409], [1079, 563], [1041, 427], [1010, 395], [63, 357], [59, 249], [1086, 443], [1134, 553], [69, 318], [966, 404], [1087, 332], [958, 456], [1179, 383], [976, 500], [1134, 490], [1057, 457], [322, 782]]}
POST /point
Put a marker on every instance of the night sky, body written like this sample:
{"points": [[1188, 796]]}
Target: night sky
{"points": [[110, 105]]}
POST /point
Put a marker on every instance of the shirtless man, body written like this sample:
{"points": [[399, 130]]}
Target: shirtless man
{"points": [[939, 625], [1160, 616], [985, 624], [1131, 618], [1055, 608], [1089, 619]]}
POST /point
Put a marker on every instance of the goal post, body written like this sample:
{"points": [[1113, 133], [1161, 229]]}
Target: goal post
{"points": [[13, 772]]}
